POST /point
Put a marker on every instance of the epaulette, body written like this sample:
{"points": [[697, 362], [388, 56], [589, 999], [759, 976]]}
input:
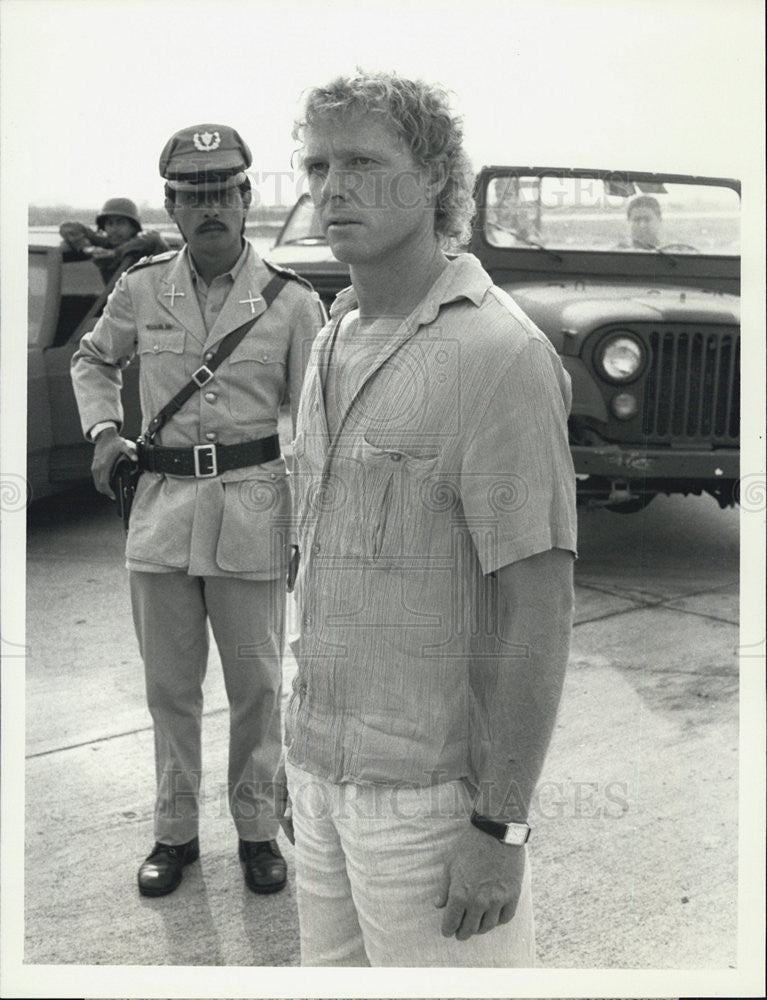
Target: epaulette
{"points": [[157, 258], [289, 273]]}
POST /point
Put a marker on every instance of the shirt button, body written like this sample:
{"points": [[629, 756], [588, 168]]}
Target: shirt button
{"points": [[308, 620], [316, 547], [302, 689], [396, 458], [209, 356], [272, 475], [264, 357], [211, 397], [155, 348], [211, 436]]}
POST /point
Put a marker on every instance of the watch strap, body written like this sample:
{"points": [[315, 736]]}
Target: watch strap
{"points": [[508, 833]]}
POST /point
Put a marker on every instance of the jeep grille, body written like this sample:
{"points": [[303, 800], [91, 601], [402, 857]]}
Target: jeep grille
{"points": [[692, 390]]}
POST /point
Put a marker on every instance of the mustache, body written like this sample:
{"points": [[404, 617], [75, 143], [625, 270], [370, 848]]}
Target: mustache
{"points": [[210, 224]]}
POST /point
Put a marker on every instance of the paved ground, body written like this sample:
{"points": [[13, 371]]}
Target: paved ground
{"points": [[635, 845]]}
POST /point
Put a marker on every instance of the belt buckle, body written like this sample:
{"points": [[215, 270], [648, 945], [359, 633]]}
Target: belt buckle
{"points": [[205, 453], [202, 376]]}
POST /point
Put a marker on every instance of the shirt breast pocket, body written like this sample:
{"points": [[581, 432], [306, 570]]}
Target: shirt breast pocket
{"points": [[393, 484]]}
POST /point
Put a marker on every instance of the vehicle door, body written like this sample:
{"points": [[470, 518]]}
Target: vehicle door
{"points": [[44, 291], [61, 455], [71, 454]]}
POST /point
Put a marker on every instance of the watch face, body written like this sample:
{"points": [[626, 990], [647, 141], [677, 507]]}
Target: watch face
{"points": [[516, 834]]}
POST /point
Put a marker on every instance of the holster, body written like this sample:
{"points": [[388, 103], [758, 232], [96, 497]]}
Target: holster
{"points": [[123, 480]]}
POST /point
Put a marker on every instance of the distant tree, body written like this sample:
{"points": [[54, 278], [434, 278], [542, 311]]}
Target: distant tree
{"points": [[267, 216]]}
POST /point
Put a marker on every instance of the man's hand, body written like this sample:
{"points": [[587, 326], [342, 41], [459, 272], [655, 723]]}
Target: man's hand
{"points": [[283, 809], [76, 235], [482, 884], [109, 445]]}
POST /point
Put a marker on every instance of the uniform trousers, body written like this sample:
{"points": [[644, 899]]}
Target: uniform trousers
{"points": [[170, 613], [369, 866]]}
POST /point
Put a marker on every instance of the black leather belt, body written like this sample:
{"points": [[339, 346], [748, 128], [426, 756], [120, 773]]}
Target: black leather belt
{"points": [[204, 461]]}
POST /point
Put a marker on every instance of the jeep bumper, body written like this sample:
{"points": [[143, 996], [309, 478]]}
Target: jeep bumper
{"points": [[615, 461]]}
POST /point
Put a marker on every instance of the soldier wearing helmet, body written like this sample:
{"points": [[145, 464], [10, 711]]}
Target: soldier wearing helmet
{"points": [[118, 240], [210, 528]]}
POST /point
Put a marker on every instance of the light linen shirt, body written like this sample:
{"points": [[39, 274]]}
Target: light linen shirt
{"points": [[450, 460]]}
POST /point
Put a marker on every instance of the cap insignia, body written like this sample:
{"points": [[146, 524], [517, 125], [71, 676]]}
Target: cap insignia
{"points": [[206, 142]]}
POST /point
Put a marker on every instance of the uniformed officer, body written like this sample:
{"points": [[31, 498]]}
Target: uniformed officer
{"points": [[208, 534]]}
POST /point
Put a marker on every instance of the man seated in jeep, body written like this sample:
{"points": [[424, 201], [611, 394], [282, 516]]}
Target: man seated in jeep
{"points": [[118, 241], [645, 223]]}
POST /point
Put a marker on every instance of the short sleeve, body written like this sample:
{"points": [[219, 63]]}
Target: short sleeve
{"points": [[517, 479]]}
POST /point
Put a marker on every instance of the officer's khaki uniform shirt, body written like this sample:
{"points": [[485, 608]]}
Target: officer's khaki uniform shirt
{"points": [[450, 461], [236, 524]]}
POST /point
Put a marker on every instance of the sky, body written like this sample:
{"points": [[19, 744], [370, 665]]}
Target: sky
{"points": [[96, 87]]}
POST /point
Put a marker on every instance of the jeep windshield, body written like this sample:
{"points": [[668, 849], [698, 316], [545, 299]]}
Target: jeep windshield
{"points": [[302, 226], [611, 212]]}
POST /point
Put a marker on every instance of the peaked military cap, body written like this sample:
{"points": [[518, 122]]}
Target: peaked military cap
{"points": [[205, 154]]}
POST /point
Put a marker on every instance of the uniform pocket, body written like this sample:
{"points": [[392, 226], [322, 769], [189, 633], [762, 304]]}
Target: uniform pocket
{"points": [[161, 521], [163, 365], [158, 344], [255, 380], [255, 525]]}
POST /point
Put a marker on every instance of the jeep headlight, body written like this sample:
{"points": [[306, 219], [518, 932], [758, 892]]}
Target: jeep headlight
{"points": [[621, 358]]}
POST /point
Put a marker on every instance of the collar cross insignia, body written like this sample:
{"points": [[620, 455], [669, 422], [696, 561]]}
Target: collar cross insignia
{"points": [[173, 295], [251, 301]]}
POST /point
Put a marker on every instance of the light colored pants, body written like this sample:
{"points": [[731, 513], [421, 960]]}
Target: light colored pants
{"points": [[170, 612], [369, 863]]}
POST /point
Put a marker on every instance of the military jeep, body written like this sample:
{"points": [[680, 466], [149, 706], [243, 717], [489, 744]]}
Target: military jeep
{"points": [[635, 278]]}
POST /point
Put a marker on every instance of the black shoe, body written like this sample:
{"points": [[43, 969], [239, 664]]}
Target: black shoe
{"points": [[265, 868], [162, 871]]}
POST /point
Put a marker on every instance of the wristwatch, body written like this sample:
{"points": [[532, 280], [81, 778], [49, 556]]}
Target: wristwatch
{"points": [[515, 834]]}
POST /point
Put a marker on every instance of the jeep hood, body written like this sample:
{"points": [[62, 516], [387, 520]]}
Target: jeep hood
{"points": [[577, 307]]}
